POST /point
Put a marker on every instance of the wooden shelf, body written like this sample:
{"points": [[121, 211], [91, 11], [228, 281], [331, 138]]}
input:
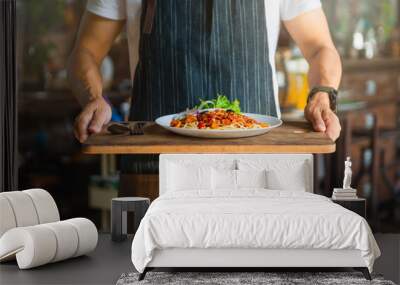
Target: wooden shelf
{"points": [[384, 63]]}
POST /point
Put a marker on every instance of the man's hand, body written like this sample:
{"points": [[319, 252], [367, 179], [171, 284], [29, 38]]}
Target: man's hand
{"points": [[91, 120], [320, 115]]}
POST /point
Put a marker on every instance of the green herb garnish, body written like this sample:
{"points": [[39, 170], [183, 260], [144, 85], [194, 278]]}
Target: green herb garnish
{"points": [[222, 102]]}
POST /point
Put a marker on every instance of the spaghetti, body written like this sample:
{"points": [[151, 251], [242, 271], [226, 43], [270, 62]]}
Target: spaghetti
{"points": [[216, 119]]}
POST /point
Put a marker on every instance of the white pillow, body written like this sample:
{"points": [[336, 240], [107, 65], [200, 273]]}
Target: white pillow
{"points": [[183, 177], [251, 178], [279, 180], [224, 179], [227, 179], [281, 174]]}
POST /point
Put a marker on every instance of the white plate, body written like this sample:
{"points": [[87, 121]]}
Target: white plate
{"points": [[273, 122]]}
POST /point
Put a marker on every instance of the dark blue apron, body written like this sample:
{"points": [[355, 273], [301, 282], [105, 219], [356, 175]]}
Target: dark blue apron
{"points": [[192, 49]]}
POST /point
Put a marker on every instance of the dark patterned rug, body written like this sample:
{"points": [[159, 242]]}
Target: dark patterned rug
{"points": [[243, 278]]}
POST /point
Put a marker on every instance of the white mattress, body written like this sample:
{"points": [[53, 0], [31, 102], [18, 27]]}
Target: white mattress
{"points": [[252, 218]]}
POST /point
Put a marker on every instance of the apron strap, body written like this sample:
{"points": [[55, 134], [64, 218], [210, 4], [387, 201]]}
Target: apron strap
{"points": [[149, 17]]}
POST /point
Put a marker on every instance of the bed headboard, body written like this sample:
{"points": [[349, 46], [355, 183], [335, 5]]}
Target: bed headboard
{"points": [[295, 168]]}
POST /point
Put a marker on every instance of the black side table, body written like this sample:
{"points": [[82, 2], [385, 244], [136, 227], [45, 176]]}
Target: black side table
{"points": [[357, 205], [119, 209]]}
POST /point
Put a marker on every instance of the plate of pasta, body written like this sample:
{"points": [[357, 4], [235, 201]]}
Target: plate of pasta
{"points": [[212, 119]]}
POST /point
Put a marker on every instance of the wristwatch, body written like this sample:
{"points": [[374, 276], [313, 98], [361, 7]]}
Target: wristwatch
{"points": [[332, 93]]}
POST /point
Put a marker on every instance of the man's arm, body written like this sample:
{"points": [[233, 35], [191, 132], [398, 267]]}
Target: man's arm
{"points": [[96, 35], [311, 33]]}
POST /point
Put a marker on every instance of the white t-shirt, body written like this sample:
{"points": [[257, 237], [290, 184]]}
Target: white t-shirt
{"points": [[130, 10]]}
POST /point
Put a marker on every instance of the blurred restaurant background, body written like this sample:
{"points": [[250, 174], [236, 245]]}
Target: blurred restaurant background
{"points": [[366, 33]]}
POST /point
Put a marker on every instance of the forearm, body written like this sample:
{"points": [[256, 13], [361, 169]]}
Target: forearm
{"points": [[84, 76], [325, 68]]}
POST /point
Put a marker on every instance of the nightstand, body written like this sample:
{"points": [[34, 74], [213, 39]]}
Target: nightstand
{"points": [[119, 208], [358, 205]]}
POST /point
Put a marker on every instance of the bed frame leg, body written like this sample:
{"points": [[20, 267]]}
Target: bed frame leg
{"points": [[364, 271], [143, 274]]}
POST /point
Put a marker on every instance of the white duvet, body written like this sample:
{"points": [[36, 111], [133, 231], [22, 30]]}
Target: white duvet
{"points": [[250, 219]]}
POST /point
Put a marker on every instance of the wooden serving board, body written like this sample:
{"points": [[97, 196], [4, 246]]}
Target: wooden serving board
{"points": [[291, 137]]}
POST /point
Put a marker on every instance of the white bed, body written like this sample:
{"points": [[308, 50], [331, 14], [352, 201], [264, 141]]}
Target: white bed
{"points": [[267, 218]]}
